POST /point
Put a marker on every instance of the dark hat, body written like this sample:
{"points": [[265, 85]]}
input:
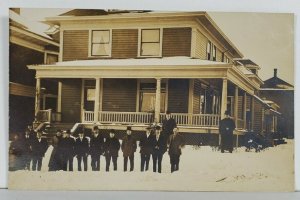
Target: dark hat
{"points": [[168, 112], [157, 128], [226, 112], [128, 128], [95, 128], [111, 131]]}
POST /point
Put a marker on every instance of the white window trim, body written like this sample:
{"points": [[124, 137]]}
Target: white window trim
{"points": [[90, 43], [140, 42]]}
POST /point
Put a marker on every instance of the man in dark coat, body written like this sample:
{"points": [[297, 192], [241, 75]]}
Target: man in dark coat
{"points": [[82, 150], [67, 146], [31, 131], [168, 125], [128, 148], [159, 147], [55, 162], [111, 149], [96, 148], [175, 143], [146, 148], [39, 148], [226, 128], [27, 149]]}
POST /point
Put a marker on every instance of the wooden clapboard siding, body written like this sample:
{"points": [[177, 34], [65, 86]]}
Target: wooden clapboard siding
{"points": [[71, 100], [124, 43], [21, 90], [178, 95], [196, 97], [257, 124], [176, 42], [75, 45], [119, 95], [201, 42], [248, 102], [219, 56], [240, 107]]}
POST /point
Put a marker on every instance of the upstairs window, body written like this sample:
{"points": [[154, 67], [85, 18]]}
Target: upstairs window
{"points": [[208, 50], [214, 51], [225, 58], [150, 42], [100, 43]]}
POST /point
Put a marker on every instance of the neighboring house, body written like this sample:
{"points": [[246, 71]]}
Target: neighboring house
{"points": [[117, 68], [281, 92], [27, 45]]}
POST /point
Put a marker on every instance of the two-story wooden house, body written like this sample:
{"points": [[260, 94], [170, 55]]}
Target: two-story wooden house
{"points": [[117, 68], [28, 45]]}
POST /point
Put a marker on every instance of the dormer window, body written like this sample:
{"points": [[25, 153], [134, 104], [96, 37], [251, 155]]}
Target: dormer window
{"points": [[211, 51], [150, 42], [100, 43]]}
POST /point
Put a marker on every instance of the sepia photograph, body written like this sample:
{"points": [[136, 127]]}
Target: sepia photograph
{"points": [[150, 100]]}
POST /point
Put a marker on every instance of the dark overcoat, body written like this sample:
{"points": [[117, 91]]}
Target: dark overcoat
{"points": [[146, 146], [39, 148], [81, 146], [128, 145], [168, 126], [111, 147], [160, 145], [97, 145], [175, 143]]}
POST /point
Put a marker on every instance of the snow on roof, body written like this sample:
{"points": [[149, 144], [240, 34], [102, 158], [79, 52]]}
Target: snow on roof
{"points": [[244, 70], [261, 100], [31, 26], [180, 60]]}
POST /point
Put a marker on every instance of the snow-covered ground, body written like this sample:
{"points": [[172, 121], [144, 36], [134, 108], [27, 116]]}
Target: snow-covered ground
{"points": [[201, 169]]}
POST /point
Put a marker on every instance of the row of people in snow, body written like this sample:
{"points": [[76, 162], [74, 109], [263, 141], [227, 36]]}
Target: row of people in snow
{"points": [[66, 147]]}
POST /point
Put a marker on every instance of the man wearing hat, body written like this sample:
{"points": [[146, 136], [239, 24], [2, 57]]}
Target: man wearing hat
{"points": [[146, 148], [96, 148], [111, 149], [168, 125], [27, 146], [175, 144], [67, 146], [128, 148], [226, 128], [159, 147], [81, 150], [39, 148]]}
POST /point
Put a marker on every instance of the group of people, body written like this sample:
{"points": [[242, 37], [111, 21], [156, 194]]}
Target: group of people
{"points": [[153, 142]]}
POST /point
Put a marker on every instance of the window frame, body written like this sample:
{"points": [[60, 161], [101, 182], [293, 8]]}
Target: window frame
{"points": [[90, 48], [140, 42]]}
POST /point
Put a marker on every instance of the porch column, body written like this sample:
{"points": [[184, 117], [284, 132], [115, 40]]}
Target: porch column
{"points": [[224, 98], [245, 110], [157, 100], [97, 100], [252, 113], [236, 104], [59, 96], [37, 96]]}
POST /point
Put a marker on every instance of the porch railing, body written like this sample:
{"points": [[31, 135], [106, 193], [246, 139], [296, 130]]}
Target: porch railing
{"points": [[205, 120], [210, 120], [48, 116], [125, 117], [240, 124]]}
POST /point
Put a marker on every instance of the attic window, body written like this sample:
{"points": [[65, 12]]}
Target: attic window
{"points": [[150, 42], [208, 50], [100, 43]]}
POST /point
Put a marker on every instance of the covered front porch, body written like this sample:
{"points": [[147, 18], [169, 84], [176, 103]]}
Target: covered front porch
{"points": [[139, 92]]}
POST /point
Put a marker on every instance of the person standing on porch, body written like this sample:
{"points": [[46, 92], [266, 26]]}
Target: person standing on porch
{"points": [[175, 143], [159, 147], [81, 150], [128, 148], [168, 125], [96, 148], [226, 128], [111, 149], [146, 148], [39, 148]]}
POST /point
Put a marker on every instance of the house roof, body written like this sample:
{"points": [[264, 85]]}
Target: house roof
{"points": [[276, 83], [247, 63], [202, 17]]}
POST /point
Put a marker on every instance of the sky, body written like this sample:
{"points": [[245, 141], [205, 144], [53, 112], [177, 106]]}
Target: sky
{"points": [[265, 38]]}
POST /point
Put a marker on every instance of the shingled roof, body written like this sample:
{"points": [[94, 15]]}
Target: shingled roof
{"points": [[276, 83]]}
